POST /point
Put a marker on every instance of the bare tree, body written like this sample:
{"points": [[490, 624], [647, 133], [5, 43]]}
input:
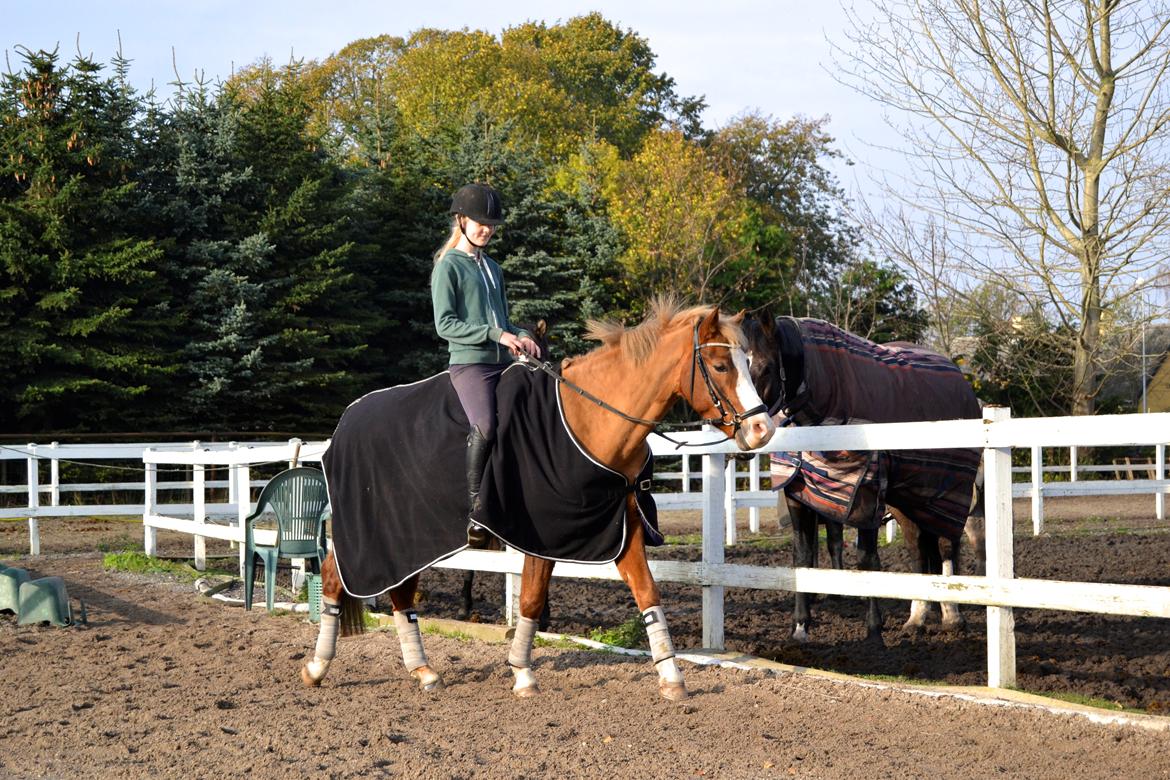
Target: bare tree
{"points": [[1041, 133]]}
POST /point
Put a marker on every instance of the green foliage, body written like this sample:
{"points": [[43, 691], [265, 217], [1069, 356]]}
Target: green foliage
{"points": [[630, 633], [1019, 358], [141, 563], [78, 289], [877, 302], [253, 256]]}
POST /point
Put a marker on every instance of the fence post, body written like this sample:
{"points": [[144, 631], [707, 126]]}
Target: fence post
{"points": [[54, 478], [149, 502], [729, 528], [512, 597], [1072, 463], [997, 482], [713, 486], [199, 501], [754, 485], [686, 473], [1160, 495], [232, 486], [1037, 491], [243, 504], [34, 502]]}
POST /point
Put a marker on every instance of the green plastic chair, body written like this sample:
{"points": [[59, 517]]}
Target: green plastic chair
{"points": [[298, 500]]}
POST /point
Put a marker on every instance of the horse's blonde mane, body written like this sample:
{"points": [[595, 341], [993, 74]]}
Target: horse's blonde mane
{"points": [[638, 342]]}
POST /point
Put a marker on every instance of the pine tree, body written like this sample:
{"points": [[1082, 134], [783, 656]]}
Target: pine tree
{"points": [[77, 281], [264, 252]]}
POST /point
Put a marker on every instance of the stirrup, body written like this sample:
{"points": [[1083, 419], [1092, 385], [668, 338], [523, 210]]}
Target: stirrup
{"points": [[477, 536]]}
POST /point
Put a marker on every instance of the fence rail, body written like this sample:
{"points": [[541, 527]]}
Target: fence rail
{"points": [[43, 500]]}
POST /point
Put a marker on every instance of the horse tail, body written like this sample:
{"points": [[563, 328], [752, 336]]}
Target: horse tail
{"points": [[353, 615]]}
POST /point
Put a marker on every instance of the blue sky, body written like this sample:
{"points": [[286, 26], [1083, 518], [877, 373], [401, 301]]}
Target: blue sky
{"points": [[740, 54]]}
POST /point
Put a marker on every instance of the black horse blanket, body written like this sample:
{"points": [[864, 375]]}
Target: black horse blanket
{"points": [[847, 379], [396, 470]]}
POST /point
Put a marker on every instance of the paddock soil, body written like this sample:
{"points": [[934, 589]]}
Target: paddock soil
{"points": [[164, 682]]}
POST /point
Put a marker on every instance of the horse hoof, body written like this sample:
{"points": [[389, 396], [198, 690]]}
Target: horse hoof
{"points": [[800, 635], [428, 678], [525, 684], [308, 679], [955, 626], [673, 691], [526, 692]]}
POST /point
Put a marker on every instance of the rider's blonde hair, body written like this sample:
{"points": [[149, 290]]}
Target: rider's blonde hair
{"points": [[452, 240]]}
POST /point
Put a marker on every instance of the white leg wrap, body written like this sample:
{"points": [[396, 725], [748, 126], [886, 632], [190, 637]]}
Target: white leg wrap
{"points": [[327, 633], [670, 678], [661, 648], [520, 655], [410, 638], [525, 684]]}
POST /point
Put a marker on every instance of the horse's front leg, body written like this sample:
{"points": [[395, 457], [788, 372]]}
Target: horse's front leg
{"points": [[804, 554], [867, 542], [635, 571], [534, 579]]}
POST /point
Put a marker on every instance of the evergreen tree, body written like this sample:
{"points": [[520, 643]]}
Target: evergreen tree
{"points": [[261, 255], [77, 282]]}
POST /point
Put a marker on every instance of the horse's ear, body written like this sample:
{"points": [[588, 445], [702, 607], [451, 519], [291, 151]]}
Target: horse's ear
{"points": [[540, 330], [767, 322], [739, 315], [709, 328]]}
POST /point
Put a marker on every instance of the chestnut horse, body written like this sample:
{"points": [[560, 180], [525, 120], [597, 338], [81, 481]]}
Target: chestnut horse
{"points": [[695, 354]]}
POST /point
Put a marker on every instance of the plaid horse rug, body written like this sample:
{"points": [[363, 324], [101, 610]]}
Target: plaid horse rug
{"points": [[847, 379], [396, 471]]}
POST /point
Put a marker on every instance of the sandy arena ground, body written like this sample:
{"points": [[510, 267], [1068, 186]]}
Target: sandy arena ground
{"points": [[165, 682]]}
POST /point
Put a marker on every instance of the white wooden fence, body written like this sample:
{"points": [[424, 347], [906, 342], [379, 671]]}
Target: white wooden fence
{"points": [[999, 591], [239, 461], [44, 499]]}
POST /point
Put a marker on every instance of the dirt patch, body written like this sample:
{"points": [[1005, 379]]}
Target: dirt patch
{"points": [[165, 682]]}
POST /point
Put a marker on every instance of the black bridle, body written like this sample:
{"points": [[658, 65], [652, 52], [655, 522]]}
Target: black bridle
{"points": [[728, 415]]}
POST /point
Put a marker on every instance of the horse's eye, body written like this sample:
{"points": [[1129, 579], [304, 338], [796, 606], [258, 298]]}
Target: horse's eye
{"points": [[722, 368]]}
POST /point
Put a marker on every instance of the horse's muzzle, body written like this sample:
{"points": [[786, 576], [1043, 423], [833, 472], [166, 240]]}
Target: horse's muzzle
{"points": [[755, 431]]}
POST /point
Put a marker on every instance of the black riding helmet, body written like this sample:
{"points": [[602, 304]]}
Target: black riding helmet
{"points": [[480, 202]]}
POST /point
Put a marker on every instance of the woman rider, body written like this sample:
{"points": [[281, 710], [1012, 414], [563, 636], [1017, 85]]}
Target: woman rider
{"points": [[471, 314]]}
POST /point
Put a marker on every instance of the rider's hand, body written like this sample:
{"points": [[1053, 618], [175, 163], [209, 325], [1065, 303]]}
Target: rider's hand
{"points": [[518, 345], [530, 347]]}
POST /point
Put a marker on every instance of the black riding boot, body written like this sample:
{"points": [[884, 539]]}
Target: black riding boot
{"points": [[478, 449]]}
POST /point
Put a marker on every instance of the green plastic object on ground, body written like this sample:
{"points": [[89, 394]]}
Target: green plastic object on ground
{"points": [[11, 578], [44, 601]]}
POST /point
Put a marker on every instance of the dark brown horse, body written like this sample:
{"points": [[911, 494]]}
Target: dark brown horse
{"points": [[809, 372], [694, 354]]}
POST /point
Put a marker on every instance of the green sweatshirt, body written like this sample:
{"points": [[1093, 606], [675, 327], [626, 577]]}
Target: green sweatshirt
{"points": [[471, 312]]}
